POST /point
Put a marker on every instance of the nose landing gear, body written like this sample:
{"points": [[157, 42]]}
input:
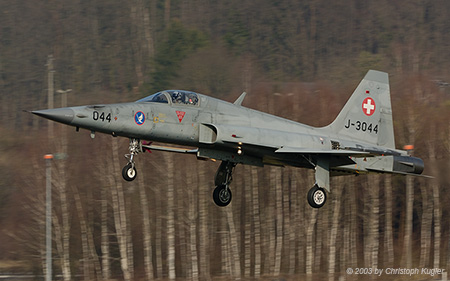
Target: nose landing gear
{"points": [[129, 172]]}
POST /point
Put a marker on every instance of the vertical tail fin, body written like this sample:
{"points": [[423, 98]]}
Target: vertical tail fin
{"points": [[367, 115]]}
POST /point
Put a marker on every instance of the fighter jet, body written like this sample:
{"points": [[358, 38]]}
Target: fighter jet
{"points": [[359, 141]]}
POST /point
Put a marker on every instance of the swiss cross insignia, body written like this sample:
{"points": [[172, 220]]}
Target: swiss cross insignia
{"points": [[368, 106]]}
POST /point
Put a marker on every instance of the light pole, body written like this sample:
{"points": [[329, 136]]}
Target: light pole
{"points": [[48, 217], [64, 96], [50, 75]]}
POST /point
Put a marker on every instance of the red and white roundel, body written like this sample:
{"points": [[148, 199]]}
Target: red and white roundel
{"points": [[368, 106]]}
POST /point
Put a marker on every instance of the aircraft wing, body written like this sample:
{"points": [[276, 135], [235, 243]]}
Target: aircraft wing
{"points": [[347, 151], [298, 150], [170, 149], [399, 173]]}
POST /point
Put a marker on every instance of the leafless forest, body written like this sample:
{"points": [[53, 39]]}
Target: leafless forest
{"points": [[296, 59]]}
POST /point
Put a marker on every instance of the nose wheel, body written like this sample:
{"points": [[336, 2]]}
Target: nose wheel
{"points": [[129, 172]]}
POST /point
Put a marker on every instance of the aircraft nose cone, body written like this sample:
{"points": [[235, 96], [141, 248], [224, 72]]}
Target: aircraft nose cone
{"points": [[62, 115]]}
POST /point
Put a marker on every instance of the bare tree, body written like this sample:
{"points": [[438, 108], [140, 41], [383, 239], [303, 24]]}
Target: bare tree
{"points": [[166, 13], [374, 188], [388, 233], [247, 188], [91, 264], [334, 228], [290, 212], [233, 243], [170, 217], [310, 241], [436, 199], [279, 220], [106, 258], [407, 245], [425, 229], [192, 225], [204, 256], [146, 232], [256, 221], [120, 217]]}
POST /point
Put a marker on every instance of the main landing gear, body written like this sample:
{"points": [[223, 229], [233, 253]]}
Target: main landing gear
{"points": [[129, 172], [317, 196], [222, 193]]}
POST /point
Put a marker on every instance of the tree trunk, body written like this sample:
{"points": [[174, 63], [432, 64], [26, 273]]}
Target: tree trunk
{"points": [[166, 13], [270, 224], [91, 264], [247, 190], [437, 226], [353, 227], [158, 237], [374, 221], [106, 259], [170, 217], [120, 222], [146, 232], [310, 241], [291, 197], [234, 247], [256, 221], [321, 239], [279, 221], [203, 222], [135, 13], [388, 234], [225, 248], [436, 200], [425, 229], [334, 229], [407, 243], [192, 224]]}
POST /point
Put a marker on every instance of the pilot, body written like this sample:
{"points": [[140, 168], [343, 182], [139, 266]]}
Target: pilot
{"points": [[177, 97], [192, 99]]}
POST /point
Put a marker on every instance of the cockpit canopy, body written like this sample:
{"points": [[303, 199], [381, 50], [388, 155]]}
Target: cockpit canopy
{"points": [[174, 97]]}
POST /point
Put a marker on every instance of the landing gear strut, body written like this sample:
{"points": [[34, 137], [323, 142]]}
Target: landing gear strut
{"points": [[129, 172], [222, 194]]}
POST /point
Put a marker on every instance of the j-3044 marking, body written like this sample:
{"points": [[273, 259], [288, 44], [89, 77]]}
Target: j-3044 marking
{"points": [[362, 126]]}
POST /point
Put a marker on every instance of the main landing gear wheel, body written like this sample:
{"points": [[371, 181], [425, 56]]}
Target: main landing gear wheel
{"points": [[317, 197], [222, 195], [129, 172]]}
